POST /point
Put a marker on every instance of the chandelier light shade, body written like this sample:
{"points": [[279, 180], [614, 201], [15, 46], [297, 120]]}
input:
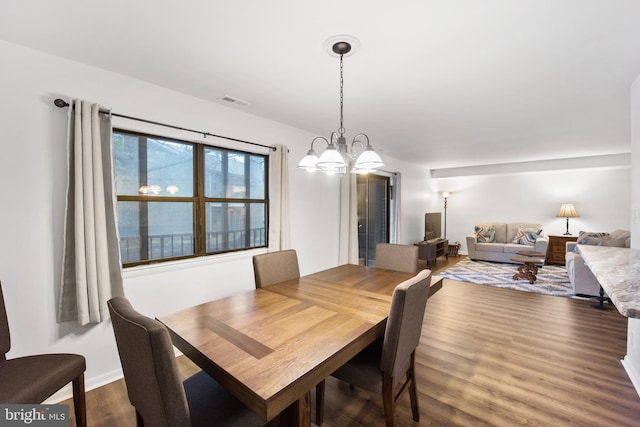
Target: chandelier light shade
{"points": [[310, 161], [567, 210], [331, 158], [368, 159], [338, 155]]}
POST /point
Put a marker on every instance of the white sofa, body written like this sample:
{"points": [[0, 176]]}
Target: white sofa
{"points": [[580, 276], [503, 249]]}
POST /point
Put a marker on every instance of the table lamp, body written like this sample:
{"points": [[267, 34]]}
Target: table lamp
{"points": [[567, 211]]}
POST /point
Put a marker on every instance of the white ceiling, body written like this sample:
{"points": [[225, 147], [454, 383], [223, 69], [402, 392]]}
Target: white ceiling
{"points": [[439, 82]]}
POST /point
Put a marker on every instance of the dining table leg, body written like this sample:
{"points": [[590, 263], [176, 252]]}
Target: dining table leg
{"points": [[296, 414], [304, 410]]}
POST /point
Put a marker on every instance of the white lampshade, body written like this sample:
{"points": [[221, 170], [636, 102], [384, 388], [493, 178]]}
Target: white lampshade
{"points": [[331, 158], [567, 211], [368, 160], [309, 162]]}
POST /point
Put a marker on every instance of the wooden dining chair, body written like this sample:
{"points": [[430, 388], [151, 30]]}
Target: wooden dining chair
{"points": [[153, 383], [398, 257], [275, 267], [32, 379], [387, 366]]}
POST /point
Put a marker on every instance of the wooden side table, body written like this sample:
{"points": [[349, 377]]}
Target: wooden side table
{"points": [[429, 250], [558, 248]]}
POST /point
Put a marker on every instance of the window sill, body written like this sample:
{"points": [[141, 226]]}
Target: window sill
{"points": [[169, 266]]}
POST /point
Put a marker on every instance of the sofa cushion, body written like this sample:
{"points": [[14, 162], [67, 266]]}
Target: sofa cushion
{"points": [[512, 248], [584, 235], [490, 247], [526, 236], [485, 234]]}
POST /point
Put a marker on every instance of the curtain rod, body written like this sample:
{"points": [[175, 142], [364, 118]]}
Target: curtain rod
{"points": [[61, 103]]}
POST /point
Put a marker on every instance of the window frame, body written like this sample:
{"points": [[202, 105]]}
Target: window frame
{"points": [[198, 200]]}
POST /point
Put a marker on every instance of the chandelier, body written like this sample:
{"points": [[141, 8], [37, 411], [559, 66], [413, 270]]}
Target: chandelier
{"points": [[338, 155]]}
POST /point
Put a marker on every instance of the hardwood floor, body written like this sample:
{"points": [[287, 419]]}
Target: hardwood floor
{"points": [[487, 357]]}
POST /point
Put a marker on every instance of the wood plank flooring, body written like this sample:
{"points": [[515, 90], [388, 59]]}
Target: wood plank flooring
{"points": [[487, 357]]}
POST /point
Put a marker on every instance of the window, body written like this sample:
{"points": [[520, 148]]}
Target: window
{"points": [[179, 199]]}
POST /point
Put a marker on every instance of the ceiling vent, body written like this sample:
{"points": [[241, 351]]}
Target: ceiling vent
{"points": [[233, 100]]}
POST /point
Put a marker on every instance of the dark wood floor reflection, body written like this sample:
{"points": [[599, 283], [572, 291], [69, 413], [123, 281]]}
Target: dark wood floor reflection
{"points": [[487, 357]]}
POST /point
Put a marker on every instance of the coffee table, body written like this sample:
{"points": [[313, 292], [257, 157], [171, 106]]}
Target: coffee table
{"points": [[532, 254], [529, 268]]}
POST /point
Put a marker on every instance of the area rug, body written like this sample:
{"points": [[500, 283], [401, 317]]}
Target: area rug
{"points": [[551, 279]]}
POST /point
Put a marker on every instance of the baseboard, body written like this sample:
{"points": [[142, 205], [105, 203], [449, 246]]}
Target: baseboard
{"points": [[631, 372], [92, 383]]}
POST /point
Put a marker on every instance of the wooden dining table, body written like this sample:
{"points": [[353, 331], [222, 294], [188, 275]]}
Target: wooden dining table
{"points": [[271, 346]]}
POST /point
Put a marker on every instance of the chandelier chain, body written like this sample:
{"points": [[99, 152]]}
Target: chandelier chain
{"points": [[341, 130], [340, 157]]}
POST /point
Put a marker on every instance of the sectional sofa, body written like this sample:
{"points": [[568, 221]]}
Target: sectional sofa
{"points": [[580, 276]]}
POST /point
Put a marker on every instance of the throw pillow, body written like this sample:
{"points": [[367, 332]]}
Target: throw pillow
{"points": [[485, 234], [527, 236], [613, 243], [596, 241], [620, 234], [584, 235]]}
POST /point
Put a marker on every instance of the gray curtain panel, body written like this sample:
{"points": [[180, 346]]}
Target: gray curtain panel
{"points": [[91, 267]]}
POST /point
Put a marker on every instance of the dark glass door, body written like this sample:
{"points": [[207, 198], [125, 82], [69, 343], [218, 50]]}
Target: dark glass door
{"points": [[373, 215]]}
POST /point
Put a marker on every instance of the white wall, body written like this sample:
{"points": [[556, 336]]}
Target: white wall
{"points": [[32, 169], [600, 195], [416, 198], [631, 361], [635, 161]]}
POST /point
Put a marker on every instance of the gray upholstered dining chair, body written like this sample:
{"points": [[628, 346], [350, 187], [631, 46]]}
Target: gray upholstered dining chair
{"points": [[34, 378], [390, 360], [154, 387], [392, 256], [275, 267]]}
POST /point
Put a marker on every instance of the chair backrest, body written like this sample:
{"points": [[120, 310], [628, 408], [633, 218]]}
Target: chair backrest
{"points": [[397, 257], [5, 338], [404, 325], [275, 267], [150, 370]]}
